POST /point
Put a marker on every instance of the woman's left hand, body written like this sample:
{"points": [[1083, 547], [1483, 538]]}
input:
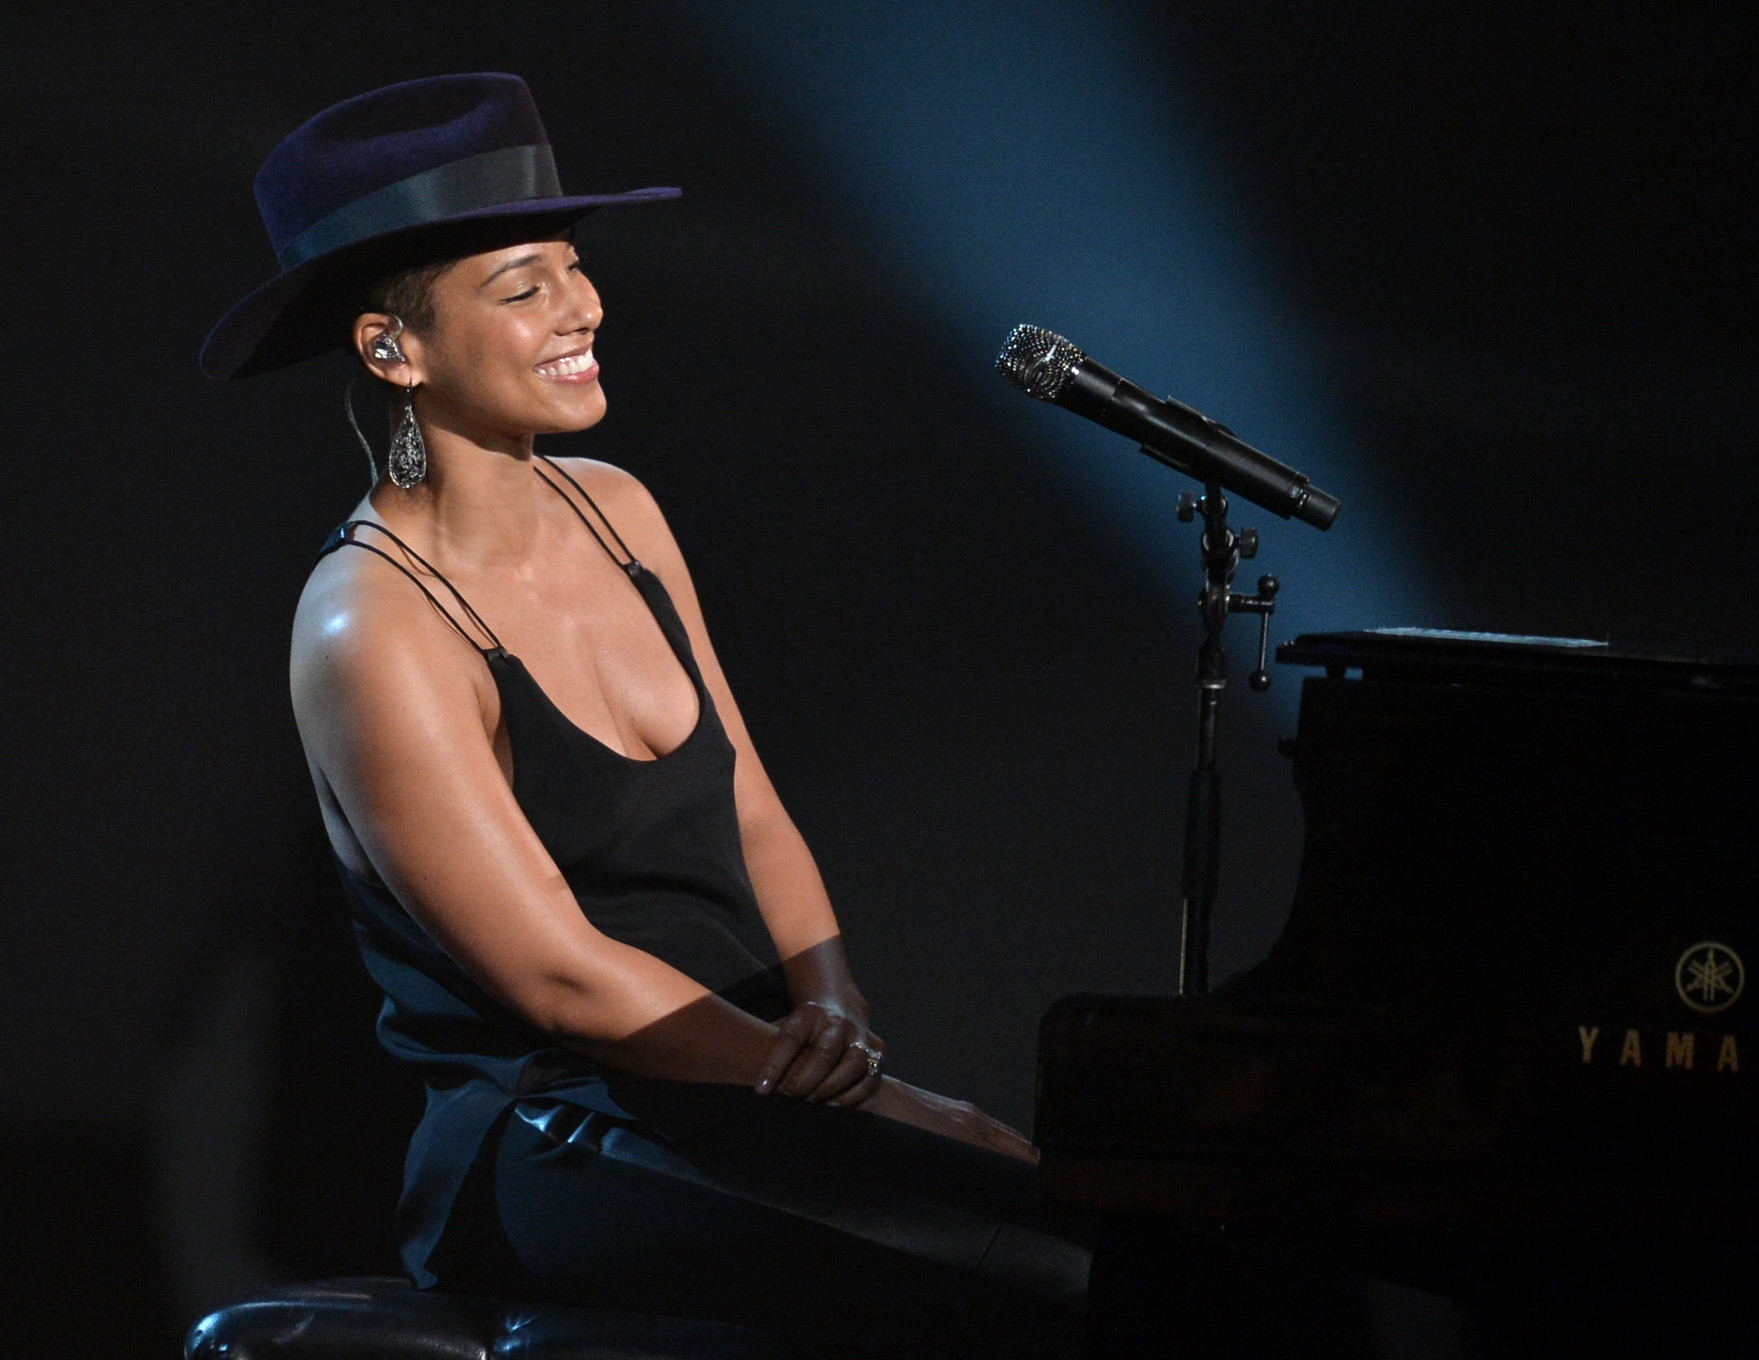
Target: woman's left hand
{"points": [[815, 1056]]}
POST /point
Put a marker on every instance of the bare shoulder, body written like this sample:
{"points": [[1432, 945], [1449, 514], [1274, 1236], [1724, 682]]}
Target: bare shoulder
{"points": [[361, 624], [626, 502]]}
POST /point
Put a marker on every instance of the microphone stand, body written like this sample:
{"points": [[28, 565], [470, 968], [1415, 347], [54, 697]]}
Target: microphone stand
{"points": [[1221, 551]]}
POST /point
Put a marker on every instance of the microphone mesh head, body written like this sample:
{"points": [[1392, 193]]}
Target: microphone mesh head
{"points": [[1038, 362]]}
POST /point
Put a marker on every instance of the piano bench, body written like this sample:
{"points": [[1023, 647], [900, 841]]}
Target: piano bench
{"points": [[389, 1319]]}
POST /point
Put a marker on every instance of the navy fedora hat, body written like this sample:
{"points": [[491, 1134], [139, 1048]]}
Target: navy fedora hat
{"points": [[391, 178]]}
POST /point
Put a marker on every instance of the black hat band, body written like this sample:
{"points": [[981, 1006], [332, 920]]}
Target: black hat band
{"points": [[488, 180]]}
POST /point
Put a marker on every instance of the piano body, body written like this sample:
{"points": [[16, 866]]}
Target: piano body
{"points": [[1506, 1037]]}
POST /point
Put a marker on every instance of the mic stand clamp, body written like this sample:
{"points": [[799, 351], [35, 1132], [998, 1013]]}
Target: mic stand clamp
{"points": [[1221, 551]]}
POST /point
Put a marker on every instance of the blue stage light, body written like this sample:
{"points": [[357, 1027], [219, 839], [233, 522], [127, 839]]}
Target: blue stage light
{"points": [[1022, 160]]}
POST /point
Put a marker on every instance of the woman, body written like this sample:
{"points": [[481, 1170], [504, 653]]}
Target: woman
{"points": [[651, 1081]]}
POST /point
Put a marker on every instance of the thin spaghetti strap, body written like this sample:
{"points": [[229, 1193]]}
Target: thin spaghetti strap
{"points": [[627, 562], [343, 538]]}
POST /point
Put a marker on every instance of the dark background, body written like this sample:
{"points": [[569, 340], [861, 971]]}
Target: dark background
{"points": [[1521, 233]]}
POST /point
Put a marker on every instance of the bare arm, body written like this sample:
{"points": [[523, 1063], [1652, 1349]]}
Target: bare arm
{"points": [[392, 708], [391, 712], [790, 891], [811, 1044], [821, 1048]]}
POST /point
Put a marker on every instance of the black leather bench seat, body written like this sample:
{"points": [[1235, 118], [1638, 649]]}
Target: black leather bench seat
{"points": [[388, 1319]]}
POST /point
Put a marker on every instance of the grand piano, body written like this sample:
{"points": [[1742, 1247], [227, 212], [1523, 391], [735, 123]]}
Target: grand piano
{"points": [[1500, 1072]]}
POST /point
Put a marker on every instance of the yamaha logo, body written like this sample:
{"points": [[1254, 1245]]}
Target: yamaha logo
{"points": [[1709, 977]]}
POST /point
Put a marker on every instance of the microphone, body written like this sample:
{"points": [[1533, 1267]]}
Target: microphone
{"points": [[1044, 365]]}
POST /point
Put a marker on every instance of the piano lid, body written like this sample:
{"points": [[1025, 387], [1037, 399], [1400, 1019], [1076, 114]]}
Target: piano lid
{"points": [[1438, 656]]}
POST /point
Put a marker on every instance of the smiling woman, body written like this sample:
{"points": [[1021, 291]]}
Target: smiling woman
{"points": [[651, 1079], [502, 349]]}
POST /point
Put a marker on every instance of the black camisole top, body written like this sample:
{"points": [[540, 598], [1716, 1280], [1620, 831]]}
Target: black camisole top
{"points": [[651, 849]]}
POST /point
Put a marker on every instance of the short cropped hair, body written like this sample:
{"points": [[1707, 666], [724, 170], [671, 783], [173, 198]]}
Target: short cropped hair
{"points": [[408, 294]]}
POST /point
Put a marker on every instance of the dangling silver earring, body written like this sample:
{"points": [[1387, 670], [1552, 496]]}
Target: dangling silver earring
{"points": [[408, 460]]}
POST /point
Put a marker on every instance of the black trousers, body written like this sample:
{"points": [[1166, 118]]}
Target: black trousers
{"points": [[850, 1234]]}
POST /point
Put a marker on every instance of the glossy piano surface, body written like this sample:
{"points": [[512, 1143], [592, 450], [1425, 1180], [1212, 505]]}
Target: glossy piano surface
{"points": [[1513, 987]]}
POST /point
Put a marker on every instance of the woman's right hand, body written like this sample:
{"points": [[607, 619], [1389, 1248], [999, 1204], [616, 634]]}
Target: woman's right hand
{"points": [[951, 1118]]}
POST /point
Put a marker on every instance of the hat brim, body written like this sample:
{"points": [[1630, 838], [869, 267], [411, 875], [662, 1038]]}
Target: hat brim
{"points": [[297, 314]]}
